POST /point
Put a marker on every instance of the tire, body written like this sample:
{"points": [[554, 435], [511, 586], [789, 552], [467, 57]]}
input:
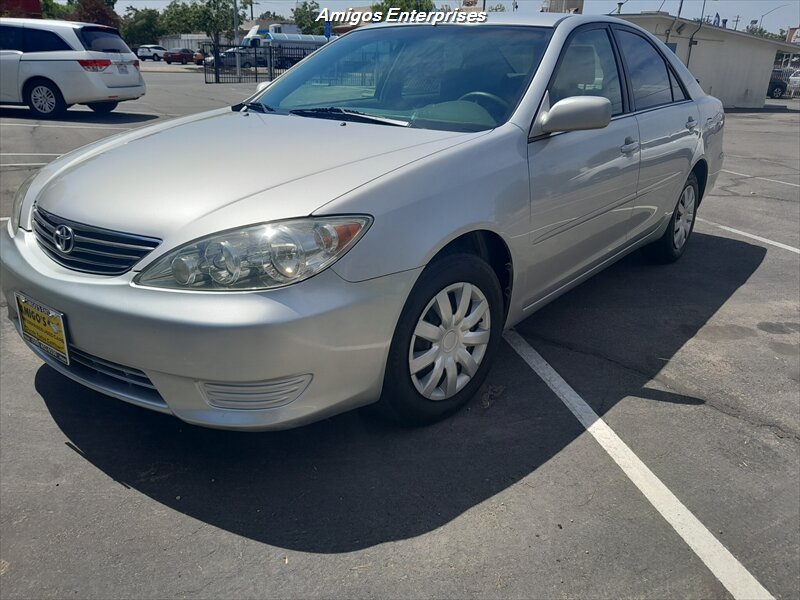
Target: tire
{"points": [[415, 398], [671, 246], [246, 65], [102, 107], [156, 58], [168, 61], [44, 98], [776, 92]]}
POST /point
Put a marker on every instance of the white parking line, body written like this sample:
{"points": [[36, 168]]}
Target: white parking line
{"points": [[725, 567], [23, 164], [762, 178], [4, 219], [751, 236], [27, 154], [3, 124]]}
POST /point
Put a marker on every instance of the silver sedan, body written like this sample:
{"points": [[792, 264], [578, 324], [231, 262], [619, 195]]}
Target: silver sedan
{"points": [[399, 198]]}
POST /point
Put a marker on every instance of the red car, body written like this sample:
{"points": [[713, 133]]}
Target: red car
{"points": [[181, 55]]}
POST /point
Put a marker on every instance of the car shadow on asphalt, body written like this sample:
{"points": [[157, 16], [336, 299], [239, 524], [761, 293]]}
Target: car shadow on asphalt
{"points": [[117, 117], [348, 482]]}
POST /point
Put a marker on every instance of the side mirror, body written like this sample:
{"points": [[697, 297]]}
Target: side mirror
{"points": [[576, 113], [263, 85]]}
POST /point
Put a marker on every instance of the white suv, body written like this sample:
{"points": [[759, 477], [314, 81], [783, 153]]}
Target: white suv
{"points": [[51, 65], [150, 51]]}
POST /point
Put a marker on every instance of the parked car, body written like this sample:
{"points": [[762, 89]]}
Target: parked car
{"points": [[422, 198], [198, 57], [151, 51], [51, 65], [248, 57], [179, 55], [794, 80], [777, 87]]}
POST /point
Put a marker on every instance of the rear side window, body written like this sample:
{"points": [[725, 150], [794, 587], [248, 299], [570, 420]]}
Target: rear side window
{"points": [[102, 39], [677, 91], [649, 76], [39, 40], [10, 38]]}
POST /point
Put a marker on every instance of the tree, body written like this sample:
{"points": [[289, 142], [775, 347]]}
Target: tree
{"points": [[54, 10], [215, 17], [404, 5], [273, 16], [179, 17], [141, 26], [305, 16], [499, 7], [761, 32], [95, 11]]}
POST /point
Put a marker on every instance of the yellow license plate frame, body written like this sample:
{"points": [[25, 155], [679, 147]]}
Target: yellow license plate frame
{"points": [[43, 327]]}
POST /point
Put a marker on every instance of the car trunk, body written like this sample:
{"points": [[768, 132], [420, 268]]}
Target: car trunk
{"points": [[105, 43]]}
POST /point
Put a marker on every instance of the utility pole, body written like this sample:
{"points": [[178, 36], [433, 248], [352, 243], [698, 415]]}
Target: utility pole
{"points": [[736, 22]]}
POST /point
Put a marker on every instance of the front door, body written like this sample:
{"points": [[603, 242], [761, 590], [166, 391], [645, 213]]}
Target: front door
{"points": [[583, 183]]}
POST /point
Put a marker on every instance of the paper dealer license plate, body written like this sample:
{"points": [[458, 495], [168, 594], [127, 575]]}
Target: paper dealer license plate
{"points": [[43, 327]]}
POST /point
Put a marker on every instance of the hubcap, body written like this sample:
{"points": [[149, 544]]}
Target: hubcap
{"points": [[43, 99], [685, 218], [449, 341]]}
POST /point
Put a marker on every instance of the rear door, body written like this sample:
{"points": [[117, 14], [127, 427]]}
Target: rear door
{"points": [[669, 130], [10, 53], [583, 183], [105, 43]]}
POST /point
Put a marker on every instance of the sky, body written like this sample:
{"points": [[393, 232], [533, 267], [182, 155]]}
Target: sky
{"points": [[786, 13]]}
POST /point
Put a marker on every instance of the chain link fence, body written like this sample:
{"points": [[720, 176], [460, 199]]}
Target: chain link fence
{"points": [[241, 64]]}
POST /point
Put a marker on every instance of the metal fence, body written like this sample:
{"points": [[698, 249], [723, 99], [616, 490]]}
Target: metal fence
{"points": [[238, 64]]}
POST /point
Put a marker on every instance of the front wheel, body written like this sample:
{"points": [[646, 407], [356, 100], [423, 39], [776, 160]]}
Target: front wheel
{"points": [[671, 246], [444, 341]]}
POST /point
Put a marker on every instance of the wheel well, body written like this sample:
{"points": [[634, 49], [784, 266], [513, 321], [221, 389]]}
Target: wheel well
{"points": [[700, 171], [490, 247], [33, 80]]}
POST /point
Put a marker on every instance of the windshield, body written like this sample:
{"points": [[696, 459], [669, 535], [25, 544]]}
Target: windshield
{"points": [[446, 77], [102, 39]]}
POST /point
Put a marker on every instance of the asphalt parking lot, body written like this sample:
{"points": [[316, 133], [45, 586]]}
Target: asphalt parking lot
{"points": [[695, 367]]}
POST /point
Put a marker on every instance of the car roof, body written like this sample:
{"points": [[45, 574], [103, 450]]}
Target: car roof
{"points": [[51, 23]]}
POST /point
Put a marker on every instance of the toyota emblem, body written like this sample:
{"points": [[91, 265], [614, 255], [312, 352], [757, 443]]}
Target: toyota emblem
{"points": [[64, 239]]}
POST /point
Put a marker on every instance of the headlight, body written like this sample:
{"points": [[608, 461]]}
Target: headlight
{"points": [[257, 257], [19, 198]]}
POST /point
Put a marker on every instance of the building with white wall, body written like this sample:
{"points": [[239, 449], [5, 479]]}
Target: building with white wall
{"points": [[732, 65]]}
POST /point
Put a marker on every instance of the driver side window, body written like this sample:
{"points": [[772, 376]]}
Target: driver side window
{"points": [[588, 68]]}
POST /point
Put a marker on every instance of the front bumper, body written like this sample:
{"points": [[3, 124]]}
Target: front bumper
{"points": [[325, 338]]}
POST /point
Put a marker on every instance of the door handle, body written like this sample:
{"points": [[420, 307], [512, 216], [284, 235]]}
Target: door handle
{"points": [[630, 145], [691, 123]]}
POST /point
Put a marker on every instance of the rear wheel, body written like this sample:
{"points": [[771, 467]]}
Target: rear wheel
{"points": [[777, 92], [671, 246], [102, 107], [444, 341], [44, 98]]}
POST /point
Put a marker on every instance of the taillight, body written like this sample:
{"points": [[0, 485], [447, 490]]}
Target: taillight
{"points": [[136, 64], [95, 65]]}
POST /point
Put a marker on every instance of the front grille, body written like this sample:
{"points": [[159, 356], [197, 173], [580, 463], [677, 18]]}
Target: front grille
{"points": [[113, 377], [94, 250]]}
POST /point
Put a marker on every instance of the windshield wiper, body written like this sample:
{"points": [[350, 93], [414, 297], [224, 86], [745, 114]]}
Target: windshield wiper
{"points": [[254, 106], [345, 114]]}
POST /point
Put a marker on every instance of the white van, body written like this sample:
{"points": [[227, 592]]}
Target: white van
{"points": [[51, 65]]}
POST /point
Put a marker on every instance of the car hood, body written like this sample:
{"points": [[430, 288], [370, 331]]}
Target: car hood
{"points": [[227, 167]]}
